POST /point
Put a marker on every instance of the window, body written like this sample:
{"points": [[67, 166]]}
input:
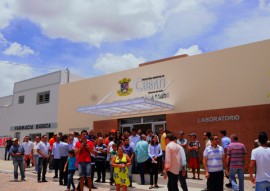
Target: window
{"points": [[43, 97], [21, 99]]}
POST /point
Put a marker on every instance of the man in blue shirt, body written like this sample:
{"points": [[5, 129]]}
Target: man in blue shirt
{"points": [[17, 153], [141, 153]]}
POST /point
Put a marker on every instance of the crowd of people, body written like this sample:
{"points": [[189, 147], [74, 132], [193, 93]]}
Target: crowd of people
{"points": [[136, 152]]}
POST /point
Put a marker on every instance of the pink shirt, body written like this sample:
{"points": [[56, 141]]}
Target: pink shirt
{"points": [[173, 157]]}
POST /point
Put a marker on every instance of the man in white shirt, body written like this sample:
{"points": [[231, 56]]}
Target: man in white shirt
{"points": [[28, 147], [260, 157], [43, 149], [172, 162], [56, 156], [36, 156]]}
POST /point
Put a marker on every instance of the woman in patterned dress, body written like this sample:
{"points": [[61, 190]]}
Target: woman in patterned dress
{"points": [[120, 162]]}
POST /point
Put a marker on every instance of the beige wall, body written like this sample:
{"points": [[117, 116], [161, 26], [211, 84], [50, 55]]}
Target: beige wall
{"points": [[234, 77]]}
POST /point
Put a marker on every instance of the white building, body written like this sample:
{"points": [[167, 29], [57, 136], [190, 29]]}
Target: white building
{"points": [[33, 107]]}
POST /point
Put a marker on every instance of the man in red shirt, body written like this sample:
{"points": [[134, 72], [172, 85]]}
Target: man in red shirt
{"points": [[83, 149]]}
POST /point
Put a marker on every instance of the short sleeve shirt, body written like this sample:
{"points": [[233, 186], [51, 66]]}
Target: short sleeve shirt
{"points": [[28, 147], [84, 154], [44, 148], [237, 152], [193, 153]]}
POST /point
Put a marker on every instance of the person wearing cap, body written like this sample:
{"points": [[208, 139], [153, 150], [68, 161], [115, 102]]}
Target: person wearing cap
{"points": [[17, 153], [193, 151]]}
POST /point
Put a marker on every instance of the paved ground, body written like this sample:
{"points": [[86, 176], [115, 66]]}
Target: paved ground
{"points": [[7, 183]]}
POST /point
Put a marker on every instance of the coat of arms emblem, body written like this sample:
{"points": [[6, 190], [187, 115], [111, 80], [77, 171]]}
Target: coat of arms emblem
{"points": [[124, 87]]}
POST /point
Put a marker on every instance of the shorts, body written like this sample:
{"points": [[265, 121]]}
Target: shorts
{"points": [[84, 169], [194, 163]]}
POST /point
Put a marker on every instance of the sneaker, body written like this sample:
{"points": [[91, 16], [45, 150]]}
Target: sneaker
{"points": [[23, 179], [55, 177], [44, 180]]}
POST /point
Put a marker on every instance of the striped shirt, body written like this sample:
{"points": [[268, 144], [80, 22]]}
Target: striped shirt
{"points": [[237, 153], [214, 158]]}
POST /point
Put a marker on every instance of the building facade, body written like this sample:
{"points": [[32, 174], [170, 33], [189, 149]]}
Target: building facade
{"points": [[222, 90], [32, 109]]}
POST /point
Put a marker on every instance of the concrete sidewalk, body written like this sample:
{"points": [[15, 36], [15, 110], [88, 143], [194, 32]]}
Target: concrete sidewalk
{"points": [[7, 183]]}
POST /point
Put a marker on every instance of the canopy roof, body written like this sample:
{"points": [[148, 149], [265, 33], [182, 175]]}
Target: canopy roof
{"points": [[126, 107]]}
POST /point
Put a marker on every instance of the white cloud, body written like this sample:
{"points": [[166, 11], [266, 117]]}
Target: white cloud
{"points": [[186, 20], [11, 73], [248, 30], [95, 21], [3, 41], [110, 63], [193, 50], [6, 13], [16, 49]]}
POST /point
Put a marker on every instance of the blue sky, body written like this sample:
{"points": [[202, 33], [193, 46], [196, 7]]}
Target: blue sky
{"points": [[97, 37]]}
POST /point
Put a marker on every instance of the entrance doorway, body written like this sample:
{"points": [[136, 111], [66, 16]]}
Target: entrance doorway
{"points": [[144, 123]]}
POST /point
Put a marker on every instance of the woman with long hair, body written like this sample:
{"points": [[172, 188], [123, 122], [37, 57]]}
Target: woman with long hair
{"points": [[120, 162], [154, 152]]}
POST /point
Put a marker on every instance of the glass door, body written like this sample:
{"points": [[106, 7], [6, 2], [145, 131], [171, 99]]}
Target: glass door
{"points": [[157, 125], [127, 127]]}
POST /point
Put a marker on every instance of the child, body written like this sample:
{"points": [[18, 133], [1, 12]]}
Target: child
{"points": [[71, 169]]}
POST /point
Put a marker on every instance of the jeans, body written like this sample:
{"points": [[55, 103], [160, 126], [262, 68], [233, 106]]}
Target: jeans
{"points": [[84, 169], [142, 171], [240, 173], [70, 179], [20, 164], [7, 153], [36, 157], [262, 186]]}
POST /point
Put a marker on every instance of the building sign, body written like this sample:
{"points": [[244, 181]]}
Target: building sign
{"points": [[219, 118], [154, 87], [3, 140], [33, 126], [124, 87]]}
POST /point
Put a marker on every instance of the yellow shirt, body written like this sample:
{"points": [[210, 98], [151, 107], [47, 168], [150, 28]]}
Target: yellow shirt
{"points": [[162, 141]]}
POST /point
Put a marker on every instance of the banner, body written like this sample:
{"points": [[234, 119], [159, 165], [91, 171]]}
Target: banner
{"points": [[3, 140]]}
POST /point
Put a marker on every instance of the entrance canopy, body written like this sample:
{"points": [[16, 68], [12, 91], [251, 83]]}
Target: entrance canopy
{"points": [[126, 107]]}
